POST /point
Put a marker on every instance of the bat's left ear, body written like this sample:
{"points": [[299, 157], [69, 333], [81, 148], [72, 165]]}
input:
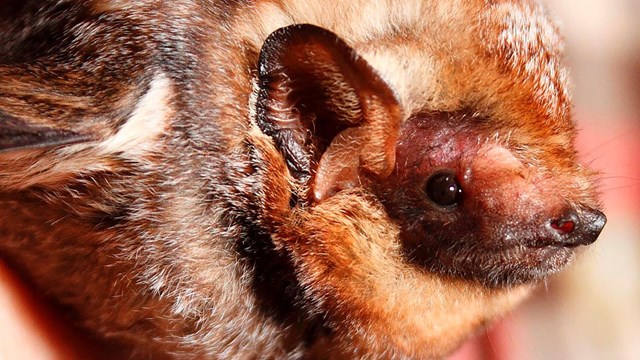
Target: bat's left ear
{"points": [[334, 120]]}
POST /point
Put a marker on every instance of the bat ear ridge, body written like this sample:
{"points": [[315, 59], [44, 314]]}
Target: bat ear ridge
{"points": [[333, 119]]}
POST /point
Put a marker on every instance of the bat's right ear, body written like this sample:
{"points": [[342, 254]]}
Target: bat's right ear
{"points": [[16, 134], [333, 119]]}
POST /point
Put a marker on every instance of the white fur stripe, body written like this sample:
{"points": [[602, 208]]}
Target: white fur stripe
{"points": [[148, 121]]}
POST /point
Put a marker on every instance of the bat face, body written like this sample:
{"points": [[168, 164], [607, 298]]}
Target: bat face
{"points": [[478, 208], [287, 179]]}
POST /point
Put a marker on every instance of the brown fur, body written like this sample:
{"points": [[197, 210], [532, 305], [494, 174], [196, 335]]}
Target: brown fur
{"points": [[171, 175]]}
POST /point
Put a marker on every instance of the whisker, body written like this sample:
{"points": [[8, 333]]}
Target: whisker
{"points": [[617, 177], [607, 142], [617, 188], [490, 341]]}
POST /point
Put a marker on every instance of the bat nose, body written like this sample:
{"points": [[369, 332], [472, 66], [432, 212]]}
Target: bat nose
{"points": [[577, 228]]}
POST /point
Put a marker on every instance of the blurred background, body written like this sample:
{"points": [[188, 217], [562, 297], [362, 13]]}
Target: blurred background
{"points": [[592, 311]]}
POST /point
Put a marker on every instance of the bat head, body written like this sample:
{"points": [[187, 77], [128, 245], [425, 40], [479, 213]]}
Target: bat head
{"points": [[482, 178], [441, 160]]}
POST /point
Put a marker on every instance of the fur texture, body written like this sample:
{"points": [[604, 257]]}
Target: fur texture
{"points": [[188, 179]]}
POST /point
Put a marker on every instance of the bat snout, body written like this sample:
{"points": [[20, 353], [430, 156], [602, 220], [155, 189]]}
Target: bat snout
{"points": [[575, 228]]}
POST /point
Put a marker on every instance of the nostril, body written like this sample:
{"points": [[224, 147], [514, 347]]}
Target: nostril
{"points": [[563, 226], [566, 224], [575, 228]]}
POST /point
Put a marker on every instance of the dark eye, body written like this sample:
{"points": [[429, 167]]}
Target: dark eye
{"points": [[443, 189]]}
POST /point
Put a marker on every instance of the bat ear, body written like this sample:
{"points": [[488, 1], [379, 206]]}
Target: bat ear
{"points": [[36, 115], [331, 116], [16, 134]]}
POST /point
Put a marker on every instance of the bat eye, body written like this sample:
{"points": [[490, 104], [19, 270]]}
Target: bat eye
{"points": [[443, 189]]}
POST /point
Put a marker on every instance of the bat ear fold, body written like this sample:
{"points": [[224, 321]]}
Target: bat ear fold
{"points": [[16, 134], [36, 114], [334, 120]]}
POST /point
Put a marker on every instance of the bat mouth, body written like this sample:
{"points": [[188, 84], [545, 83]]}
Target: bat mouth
{"points": [[543, 251], [505, 266], [523, 264], [551, 244], [530, 244]]}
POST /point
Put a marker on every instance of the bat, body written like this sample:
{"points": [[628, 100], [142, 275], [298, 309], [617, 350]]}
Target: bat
{"points": [[287, 179]]}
